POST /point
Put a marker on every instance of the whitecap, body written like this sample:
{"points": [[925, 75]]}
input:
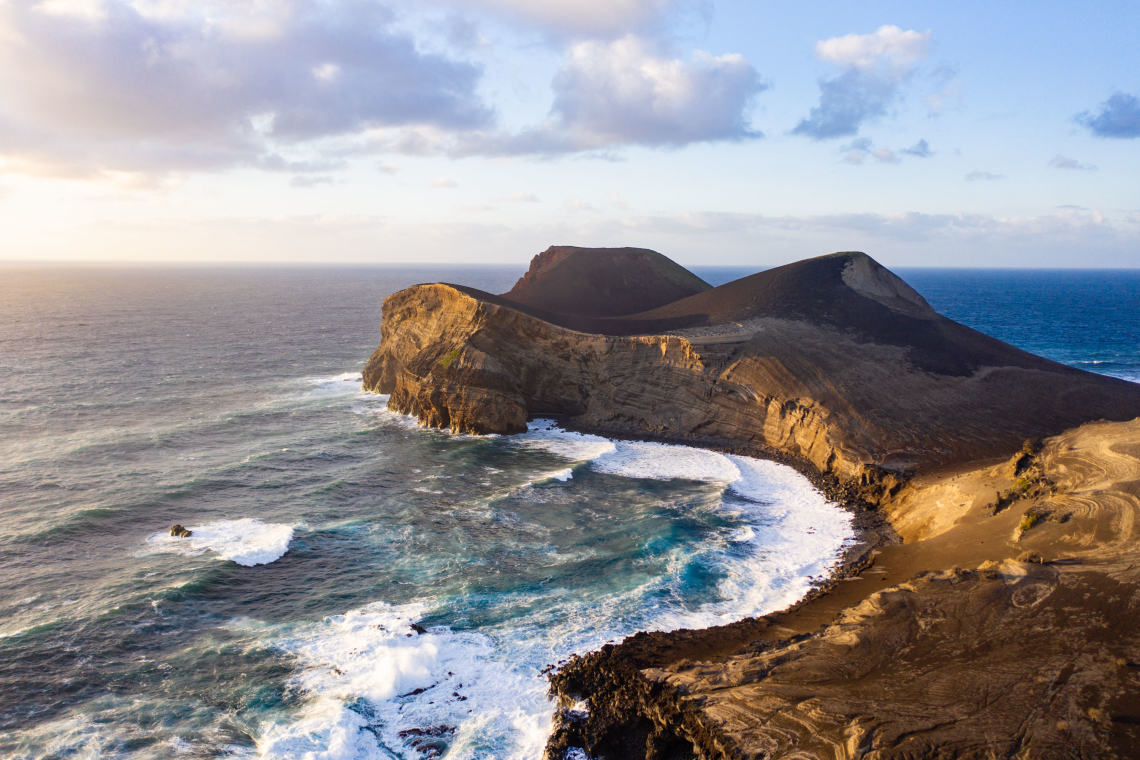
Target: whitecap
{"points": [[247, 542], [344, 383], [374, 682]]}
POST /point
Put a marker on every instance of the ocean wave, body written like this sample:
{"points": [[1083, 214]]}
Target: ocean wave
{"points": [[376, 684], [791, 531], [247, 542], [377, 688], [346, 382]]}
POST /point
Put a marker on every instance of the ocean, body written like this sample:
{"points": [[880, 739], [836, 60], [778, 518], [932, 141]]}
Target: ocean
{"points": [[357, 586]]}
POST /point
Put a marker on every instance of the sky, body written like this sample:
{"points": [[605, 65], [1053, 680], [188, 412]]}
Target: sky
{"points": [[482, 131]]}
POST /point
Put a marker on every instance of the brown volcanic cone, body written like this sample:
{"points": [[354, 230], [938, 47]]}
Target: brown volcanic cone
{"points": [[602, 282]]}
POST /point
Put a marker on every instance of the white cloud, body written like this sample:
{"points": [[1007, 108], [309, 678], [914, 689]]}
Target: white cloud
{"points": [[518, 198], [885, 155], [623, 92], [444, 183], [617, 201], [88, 10], [874, 67], [980, 176], [889, 50], [949, 93], [582, 18], [326, 71], [579, 205], [162, 85]]}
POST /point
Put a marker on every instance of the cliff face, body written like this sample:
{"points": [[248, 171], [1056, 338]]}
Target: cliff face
{"points": [[857, 375]]}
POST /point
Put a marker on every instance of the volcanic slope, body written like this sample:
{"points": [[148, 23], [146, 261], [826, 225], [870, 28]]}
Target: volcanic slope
{"points": [[833, 359], [602, 282]]}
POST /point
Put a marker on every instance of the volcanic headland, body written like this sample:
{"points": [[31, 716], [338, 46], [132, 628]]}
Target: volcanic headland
{"points": [[992, 607]]}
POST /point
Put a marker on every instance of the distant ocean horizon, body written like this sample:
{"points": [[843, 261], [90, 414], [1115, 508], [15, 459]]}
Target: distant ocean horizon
{"points": [[227, 399]]}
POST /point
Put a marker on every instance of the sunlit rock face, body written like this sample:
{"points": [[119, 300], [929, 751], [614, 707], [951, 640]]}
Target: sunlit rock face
{"points": [[833, 359]]}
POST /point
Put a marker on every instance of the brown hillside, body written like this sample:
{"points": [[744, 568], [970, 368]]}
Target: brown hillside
{"points": [[602, 282]]}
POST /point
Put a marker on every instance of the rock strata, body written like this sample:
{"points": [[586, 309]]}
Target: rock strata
{"points": [[833, 359]]}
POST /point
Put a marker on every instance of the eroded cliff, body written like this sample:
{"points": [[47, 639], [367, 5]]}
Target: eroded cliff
{"points": [[864, 381]]}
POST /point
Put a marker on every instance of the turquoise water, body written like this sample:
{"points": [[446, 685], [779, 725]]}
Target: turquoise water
{"points": [[228, 400]]}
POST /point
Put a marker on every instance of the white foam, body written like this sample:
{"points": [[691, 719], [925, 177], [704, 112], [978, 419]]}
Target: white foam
{"points": [[359, 669], [791, 531], [247, 542], [346, 383], [372, 654]]}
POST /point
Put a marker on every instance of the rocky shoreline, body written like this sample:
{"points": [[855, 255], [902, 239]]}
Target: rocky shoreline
{"points": [[990, 607], [1026, 648]]}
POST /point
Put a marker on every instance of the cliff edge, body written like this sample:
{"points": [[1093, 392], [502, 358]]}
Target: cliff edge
{"points": [[832, 359]]}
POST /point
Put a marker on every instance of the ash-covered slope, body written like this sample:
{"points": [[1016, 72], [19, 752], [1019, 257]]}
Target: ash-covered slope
{"points": [[833, 359], [602, 282]]}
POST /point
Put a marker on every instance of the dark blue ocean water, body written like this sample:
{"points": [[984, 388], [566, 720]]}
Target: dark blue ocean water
{"points": [[227, 400], [1084, 318]]}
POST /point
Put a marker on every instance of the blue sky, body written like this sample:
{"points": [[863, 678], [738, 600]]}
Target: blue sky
{"points": [[753, 133]]}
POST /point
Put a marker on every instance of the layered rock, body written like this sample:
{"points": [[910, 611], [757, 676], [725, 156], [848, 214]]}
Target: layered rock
{"points": [[833, 359]]}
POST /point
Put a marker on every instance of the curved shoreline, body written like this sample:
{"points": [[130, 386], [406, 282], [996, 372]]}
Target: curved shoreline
{"points": [[882, 660], [872, 529]]}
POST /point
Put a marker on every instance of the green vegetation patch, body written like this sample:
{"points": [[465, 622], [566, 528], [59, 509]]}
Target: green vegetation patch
{"points": [[450, 359]]}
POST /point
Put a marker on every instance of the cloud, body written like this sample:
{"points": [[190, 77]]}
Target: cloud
{"points": [[519, 198], [1119, 117], [889, 48], [444, 183], [979, 176], [149, 85], [949, 92], [623, 92], [875, 66], [309, 180], [579, 205], [610, 95], [920, 149], [617, 201], [857, 152], [1061, 162], [586, 18]]}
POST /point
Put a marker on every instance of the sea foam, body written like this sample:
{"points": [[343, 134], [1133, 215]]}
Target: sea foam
{"points": [[791, 531], [375, 684], [247, 542], [378, 689]]}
